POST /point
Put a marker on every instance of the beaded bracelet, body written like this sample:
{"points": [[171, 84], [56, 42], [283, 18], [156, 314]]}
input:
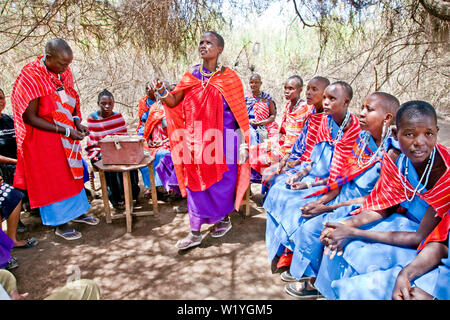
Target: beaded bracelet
{"points": [[164, 96], [76, 117]]}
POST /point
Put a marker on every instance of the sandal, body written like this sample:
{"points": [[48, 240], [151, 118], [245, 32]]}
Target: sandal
{"points": [[147, 193], [188, 242], [12, 264], [31, 242], [221, 231], [300, 290], [91, 220], [68, 235]]}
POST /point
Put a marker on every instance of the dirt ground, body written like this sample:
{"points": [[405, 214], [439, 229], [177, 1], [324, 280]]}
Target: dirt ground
{"points": [[145, 264]]}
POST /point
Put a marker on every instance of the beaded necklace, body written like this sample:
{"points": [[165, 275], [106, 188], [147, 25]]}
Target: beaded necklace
{"points": [[341, 129], [210, 75], [381, 147], [426, 173]]}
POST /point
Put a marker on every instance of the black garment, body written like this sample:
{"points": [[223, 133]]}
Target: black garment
{"points": [[114, 185], [8, 146]]}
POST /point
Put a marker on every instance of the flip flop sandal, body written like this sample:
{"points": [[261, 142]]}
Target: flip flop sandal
{"points": [[302, 293], [31, 242], [220, 232], [187, 243], [69, 235], [91, 220]]}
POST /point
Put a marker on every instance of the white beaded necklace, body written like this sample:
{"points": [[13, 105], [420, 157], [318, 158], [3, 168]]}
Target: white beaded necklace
{"points": [[426, 173], [381, 147], [341, 128]]}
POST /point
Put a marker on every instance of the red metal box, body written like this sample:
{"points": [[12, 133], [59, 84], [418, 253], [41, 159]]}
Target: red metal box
{"points": [[117, 149]]}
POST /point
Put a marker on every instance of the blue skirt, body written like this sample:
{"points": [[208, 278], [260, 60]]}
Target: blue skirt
{"points": [[61, 212]]}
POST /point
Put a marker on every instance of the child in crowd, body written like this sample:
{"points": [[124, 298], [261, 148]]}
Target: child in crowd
{"points": [[329, 138], [409, 203], [102, 123], [360, 172], [153, 127]]}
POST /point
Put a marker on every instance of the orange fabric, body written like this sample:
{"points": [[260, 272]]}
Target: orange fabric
{"points": [[204, 106], [142, 108], [155, 115]]}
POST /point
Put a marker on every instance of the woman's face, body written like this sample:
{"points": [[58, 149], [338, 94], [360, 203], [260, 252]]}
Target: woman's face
{"points": [[209, 47], [106, 105], [2, 101]]}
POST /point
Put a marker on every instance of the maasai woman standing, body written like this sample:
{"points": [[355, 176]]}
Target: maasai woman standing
{"points": [[409, 203], [205, 110], [47, 120]]}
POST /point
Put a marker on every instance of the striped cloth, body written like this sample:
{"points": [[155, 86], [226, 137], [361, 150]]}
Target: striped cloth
{"points": [[144, 105], [350, 168], [318, 131], [35, 81], [292, 124], [192, 109], [100, 128], [389, 191]]}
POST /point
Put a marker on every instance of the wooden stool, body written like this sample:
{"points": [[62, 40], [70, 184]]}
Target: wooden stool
{"points": [[125, 169]]}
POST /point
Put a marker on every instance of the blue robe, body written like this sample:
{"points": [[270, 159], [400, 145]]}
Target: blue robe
{"points": [[308, 249], [337, 278], [283, 204]]}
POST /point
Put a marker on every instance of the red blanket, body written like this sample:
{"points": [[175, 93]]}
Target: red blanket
{"points": [[202, 110], [389, 192]]}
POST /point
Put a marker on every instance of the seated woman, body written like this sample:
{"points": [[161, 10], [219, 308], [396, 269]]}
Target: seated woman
{"points": [[330, 137], [296, 111], [10, 207], [409, 203], [153, 127], [102, 123], [360, 172], [261, 112], [8, 153]]}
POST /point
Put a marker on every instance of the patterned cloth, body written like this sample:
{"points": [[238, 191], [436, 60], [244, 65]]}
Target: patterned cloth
{"points": [[100, 128], [389, 191], [35, 81], [260, 111], [205, 106], [143, 110], [264, 154]]}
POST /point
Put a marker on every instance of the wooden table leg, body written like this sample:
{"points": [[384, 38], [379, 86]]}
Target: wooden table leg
{"points": [[153, 188], [128, 198], [247, 202], [105, 196]]}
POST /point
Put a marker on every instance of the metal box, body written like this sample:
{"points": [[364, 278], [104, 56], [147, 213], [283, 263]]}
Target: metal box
{"points": [[118, 149]]}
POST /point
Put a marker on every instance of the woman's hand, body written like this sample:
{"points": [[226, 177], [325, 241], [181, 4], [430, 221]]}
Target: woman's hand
{"points": [[76, 135], [402, 287], [315, 208], [82, 129], [335, 237], [243, 153]]}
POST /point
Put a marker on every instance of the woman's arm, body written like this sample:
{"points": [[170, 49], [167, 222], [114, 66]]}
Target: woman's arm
{"points": [[7, 160], [426, 260], [31, 117], [169, 99], [343, 233]]}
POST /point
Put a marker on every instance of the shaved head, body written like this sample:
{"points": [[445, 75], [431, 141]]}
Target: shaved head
{"points": [[390, 103], [57, 46]]}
